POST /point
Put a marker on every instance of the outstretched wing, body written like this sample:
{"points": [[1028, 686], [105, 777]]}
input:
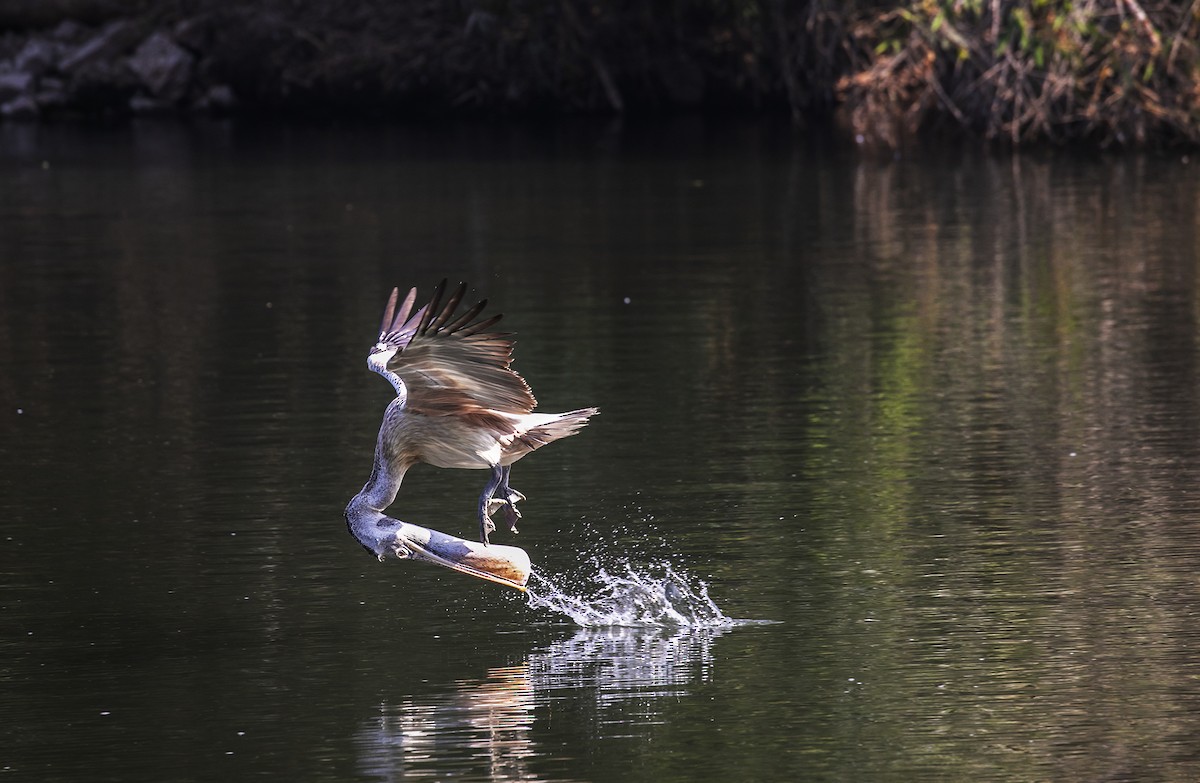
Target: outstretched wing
{"points": [[451, 363]]}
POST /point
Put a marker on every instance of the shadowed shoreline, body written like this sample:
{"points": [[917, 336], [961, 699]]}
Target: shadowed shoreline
{"points": [[1113, 73]]}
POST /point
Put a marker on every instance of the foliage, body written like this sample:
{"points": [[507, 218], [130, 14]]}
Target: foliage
{"points": [[1112, 71]]}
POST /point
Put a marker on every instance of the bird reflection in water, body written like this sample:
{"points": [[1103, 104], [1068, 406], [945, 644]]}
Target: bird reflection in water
{"points": [[485, 727], [478, 725]]}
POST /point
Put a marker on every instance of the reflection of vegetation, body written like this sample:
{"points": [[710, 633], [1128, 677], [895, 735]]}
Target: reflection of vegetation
{"points": [[997, 480]]}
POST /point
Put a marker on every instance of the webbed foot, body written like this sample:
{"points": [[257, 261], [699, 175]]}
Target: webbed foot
{"points": [[511, 515], [511, 499], [506, 498]]}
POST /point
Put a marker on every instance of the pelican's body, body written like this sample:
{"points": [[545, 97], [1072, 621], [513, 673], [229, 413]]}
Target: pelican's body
{"points": [[458, 405]]}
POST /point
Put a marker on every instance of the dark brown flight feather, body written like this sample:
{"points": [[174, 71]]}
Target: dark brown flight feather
{"points": [[451, 365]]}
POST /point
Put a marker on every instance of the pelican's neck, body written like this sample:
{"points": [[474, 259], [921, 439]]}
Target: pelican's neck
{"points": [[364, 513], [380, 490], [389, 466], [398, 385], [378, 360]]}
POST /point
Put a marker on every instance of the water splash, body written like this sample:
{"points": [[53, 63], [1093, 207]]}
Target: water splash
{"points": [[647, 596]]}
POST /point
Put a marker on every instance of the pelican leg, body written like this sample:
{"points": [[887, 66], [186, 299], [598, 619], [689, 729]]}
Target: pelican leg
{"points": [[511, 498], [505, 497], [510, 494], [486, 525]]}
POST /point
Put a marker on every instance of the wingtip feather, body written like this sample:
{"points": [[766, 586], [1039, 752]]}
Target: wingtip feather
{"points": [[388, 310], [448, 311], [476, 328], [432, 307], [406, 308]]}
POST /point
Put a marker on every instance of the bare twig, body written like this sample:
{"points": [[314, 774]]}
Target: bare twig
{"points": [[1181, 34], [1141, 16]]}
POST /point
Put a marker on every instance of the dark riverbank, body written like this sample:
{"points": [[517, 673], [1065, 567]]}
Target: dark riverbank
{"points": [[1113, 73]]}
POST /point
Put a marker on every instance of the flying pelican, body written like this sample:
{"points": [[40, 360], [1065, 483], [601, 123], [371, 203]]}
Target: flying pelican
{"points": [[458, 404]]}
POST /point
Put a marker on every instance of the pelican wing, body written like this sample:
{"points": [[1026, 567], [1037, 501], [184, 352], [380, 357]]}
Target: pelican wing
{"points": [[452, 363]]}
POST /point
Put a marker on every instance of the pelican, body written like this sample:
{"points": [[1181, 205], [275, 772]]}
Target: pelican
{"points": [[458, 404]]}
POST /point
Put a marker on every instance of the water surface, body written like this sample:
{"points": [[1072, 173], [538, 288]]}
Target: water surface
{"points": [[935, 417]]}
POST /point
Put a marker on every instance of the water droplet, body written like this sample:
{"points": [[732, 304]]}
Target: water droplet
{"points": [[628, 595]]}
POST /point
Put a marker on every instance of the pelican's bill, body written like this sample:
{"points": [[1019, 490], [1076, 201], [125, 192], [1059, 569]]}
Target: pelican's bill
{"points": [[505, 565]]}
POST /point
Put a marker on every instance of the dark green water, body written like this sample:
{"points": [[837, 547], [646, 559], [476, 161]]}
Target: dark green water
{"points": [[938, 417]]}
